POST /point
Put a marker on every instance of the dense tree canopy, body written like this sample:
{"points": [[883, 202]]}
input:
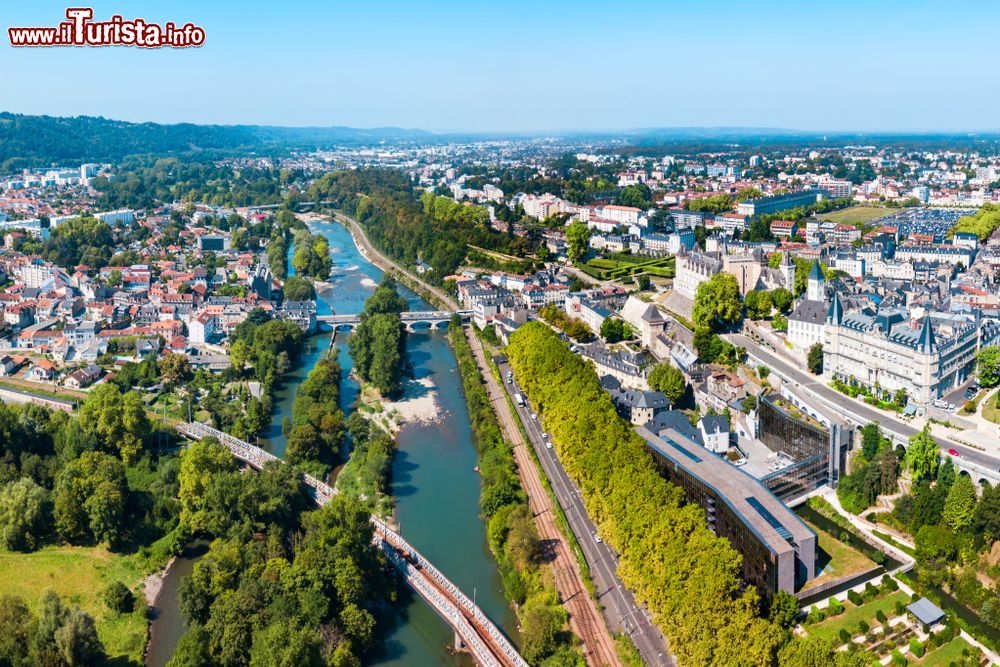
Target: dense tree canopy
{"points": [[988, 366], [80, 241], [312, 255], [117, 419], [384, 203], [923, 455], [577, 240], [280, 584], [297, 288], [693, 588], [670, 380], [378, 346], [717, 303]]}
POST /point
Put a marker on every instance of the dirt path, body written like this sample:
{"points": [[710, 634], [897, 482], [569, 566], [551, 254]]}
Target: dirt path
{"points": [[584, 618]]}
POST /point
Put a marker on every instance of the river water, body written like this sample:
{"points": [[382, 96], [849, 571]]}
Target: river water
{"points": [[434, 481]]}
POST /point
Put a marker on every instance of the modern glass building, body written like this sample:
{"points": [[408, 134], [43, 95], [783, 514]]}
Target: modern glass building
{"points": [[815, 442], [778, 548]]}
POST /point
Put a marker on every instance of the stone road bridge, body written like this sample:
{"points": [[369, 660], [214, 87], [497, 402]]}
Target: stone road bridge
{"points": [[432, 318], [474, 632]]}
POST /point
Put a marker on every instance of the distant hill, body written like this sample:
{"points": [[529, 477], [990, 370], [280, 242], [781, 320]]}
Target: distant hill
{"points": [[31, 141]]}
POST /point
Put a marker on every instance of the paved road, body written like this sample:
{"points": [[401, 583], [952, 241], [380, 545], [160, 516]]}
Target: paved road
{"points": [[620, 608], [584, 618], [855, 410]]}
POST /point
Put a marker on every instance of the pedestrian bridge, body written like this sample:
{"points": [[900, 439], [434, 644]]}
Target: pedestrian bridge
{"points": [[432, 318], [474, 631]]}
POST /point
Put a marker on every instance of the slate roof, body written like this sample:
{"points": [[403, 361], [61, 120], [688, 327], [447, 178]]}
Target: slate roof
{"points": [[715, 423], [811, 312]]}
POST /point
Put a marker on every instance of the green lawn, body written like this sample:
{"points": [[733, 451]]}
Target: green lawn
{"points": [[79, 575], [830, 628], [990, 410], [837, 559], [856, 214], [943, 656]]}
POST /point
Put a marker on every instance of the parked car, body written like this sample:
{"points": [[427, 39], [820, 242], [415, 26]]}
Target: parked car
{"points": [[954, 452]]}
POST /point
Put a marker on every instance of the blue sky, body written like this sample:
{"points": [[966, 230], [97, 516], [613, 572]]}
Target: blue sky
{"points": [[530, 66]]}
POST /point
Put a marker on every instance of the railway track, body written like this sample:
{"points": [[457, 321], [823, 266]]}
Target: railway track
{"points": [[584, 618]]}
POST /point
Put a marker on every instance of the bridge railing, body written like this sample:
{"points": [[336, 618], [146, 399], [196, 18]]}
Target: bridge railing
{"points": [[397, 541], [257, 458], [253, 456], [443, 606]]}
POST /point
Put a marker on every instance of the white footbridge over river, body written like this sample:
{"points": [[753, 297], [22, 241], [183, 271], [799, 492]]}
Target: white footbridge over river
{"points": [[474, 631]]}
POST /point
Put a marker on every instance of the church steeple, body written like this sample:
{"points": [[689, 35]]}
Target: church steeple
{"points": [[927, 342], [836, 314], [814, 286]]}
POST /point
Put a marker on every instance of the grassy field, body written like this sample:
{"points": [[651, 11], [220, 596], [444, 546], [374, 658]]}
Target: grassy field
{"points": [[856, 214], [943, 656], [837, 559], [830, 628], [990, 409], [79, 575]]}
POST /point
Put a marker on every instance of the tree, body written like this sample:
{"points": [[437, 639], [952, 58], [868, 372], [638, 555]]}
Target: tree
{"points": [[77, 640], [928, 506], [923, 455], [16, 622], [25, 515], [637, 195], [239, 355], [175, 368], [388, 353], [750, 300], [815, 359], [90, 498], [717, 302], [297, 288], [284, 644], [960, 505], [118, 420], [614, 330], [783, 609], [577, 241], [936, 549], [986, 519], [378, 346], [946, 474], [871, 440], [988, 366], [782, 299], [118, 597], [303, 445], [749, 403], [202, 462], [670, 380], [900, 397]]}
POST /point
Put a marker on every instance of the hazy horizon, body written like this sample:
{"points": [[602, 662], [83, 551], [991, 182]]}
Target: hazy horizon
{"points": [[844, 68]]}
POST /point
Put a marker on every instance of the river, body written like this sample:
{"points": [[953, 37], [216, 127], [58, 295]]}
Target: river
{"points": [[434, 481]]}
